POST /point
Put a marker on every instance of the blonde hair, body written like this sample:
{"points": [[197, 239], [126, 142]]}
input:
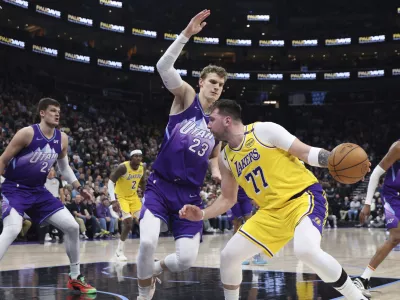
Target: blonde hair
{"points": [[220, 71]]}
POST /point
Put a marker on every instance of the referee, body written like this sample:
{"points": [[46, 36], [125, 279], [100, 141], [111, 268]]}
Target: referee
{"points": [[54, 186]]}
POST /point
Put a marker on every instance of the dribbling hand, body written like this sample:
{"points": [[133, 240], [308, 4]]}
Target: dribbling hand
{"points": [[197, 23], [364, 214], [191, 213]]}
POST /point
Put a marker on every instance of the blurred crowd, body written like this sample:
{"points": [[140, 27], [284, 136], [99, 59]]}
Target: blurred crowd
{"points": [[102, 134]]}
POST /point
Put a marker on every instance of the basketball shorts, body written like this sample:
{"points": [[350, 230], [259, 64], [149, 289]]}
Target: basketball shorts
{"points": [[242, 208], [130, 207], [273, 228], [164, 199], [37, 202], [391, 201]]}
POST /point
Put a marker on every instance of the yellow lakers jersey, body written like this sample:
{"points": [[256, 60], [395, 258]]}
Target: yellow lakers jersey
{"points": [[269, 175], [126, 186]]}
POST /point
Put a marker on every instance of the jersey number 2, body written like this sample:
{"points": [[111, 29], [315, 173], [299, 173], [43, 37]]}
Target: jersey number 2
{"points": [[44, 168], [251, 176]]}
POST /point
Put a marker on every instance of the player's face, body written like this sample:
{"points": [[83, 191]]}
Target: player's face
{"points": [[136, 159], [51, 116], [218, 125], [211, 86]]}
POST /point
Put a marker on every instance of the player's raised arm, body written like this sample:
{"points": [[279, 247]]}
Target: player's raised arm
{"points": [[20, 140], [274, 135], [165, 66], [225, 201]]}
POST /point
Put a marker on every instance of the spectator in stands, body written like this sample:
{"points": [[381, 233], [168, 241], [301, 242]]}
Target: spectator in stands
{"points": [[54, 185], [88, 210], [104, 216], [344, 208], [76, 211], [378, 221], [332, 219], [355, 206]]}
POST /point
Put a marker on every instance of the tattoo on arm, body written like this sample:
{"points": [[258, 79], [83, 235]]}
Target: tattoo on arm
{"points": [[323, 158]]}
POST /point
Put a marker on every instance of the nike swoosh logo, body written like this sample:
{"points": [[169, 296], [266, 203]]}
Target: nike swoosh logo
{"points": [[192, 196], [39, 139]]}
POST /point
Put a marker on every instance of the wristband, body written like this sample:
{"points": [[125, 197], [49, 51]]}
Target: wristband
{"points": [[202, 218]]}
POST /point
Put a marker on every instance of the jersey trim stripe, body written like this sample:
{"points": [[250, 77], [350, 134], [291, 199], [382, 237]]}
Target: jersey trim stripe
{"points": [[49, 140], [310, 208], [261, 143], [242, 143], [252, 239]]}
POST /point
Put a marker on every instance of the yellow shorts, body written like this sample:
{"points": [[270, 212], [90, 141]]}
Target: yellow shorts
{"points": [[130, 207], [273, 228]]}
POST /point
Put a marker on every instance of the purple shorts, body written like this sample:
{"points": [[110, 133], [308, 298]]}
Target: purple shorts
{"points": [[391, 201], [37, 202], [242, 208], [164, 199]]}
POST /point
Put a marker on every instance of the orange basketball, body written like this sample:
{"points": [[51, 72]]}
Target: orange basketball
{"points": [[348, 163]]}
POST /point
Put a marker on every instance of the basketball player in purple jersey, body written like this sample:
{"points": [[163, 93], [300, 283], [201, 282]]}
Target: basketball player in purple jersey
{"points": [[187, 150], [27, 160], [391, 198]]}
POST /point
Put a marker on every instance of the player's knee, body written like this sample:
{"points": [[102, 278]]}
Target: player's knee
{"points": [[147, 245], [395, 238], [128, 222], [186, 260], [304, 252], [227, 257], [13, 230], [71, 227]]}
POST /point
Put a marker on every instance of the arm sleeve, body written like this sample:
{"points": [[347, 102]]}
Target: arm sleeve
{"points": [[273, 135], [66, 170], [373, 183], [165, 65], [111, 190]]}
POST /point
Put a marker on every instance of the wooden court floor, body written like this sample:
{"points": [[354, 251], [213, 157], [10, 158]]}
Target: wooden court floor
{"points": [[34, 271]]}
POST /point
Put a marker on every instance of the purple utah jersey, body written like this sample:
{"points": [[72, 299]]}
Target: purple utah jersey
{"points": [[26, 174], [31, 166], [187, 145], [391, 195]]}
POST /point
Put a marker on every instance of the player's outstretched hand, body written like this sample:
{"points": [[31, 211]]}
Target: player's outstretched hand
{"points": [[191, 213], [197, 23], [364, 214]]}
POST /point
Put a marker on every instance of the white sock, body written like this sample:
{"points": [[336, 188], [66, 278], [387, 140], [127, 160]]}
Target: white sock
{"points": [[75, 270], [144, 291], [368, 272], [157, 267], [255, 277], [350, 291], [121, 246], [231, 294]]}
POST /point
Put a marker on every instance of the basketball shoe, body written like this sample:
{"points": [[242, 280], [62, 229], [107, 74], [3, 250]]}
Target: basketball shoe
{"points": [[79, 284], [363, 285]]}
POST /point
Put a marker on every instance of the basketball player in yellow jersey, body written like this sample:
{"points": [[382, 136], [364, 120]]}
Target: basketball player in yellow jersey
{"points": [[263, 158], [127, 178]]}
